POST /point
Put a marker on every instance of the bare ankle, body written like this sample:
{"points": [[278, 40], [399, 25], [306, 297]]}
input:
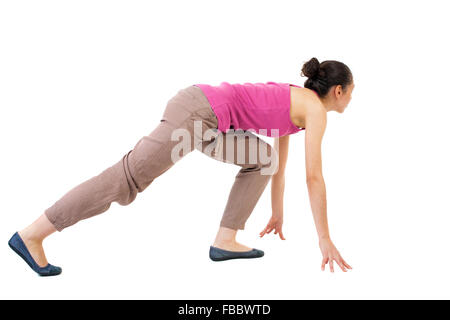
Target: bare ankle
{"points": [[29, 237], [226, 236], [221, 242]]}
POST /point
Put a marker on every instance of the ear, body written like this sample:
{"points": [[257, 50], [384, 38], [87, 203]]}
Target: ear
{"points": [[339, 90], [335, 91]]}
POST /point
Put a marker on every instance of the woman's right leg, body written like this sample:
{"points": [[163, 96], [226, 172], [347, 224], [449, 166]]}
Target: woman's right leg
{"points": [[151, 156], [258, 162]]}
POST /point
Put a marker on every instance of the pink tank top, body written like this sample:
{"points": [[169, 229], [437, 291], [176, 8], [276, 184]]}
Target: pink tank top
{"points": [[262, 107]]}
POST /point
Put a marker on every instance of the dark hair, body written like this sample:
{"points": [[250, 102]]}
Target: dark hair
{"points": [[322, 76]]}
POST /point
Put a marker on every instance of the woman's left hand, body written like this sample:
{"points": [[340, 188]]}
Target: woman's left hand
{"points": [[330, 253], [275, 223]]}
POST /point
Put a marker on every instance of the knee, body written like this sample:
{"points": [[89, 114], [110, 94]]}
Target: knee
{"points": [[269, 161], [266, 164], [127, 183]]}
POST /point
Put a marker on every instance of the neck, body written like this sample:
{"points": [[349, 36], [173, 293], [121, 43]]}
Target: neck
{"points": [[327, 103]]}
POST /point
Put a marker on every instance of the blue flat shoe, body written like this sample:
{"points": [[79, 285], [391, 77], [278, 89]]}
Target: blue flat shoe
{"points": [[217, 254], [16, 243]]}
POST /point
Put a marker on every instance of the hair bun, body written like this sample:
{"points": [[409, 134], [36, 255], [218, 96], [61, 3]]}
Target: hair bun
{"points": [[311, 68]]}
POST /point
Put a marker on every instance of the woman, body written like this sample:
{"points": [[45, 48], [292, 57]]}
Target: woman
{"points": [[230, 114]]}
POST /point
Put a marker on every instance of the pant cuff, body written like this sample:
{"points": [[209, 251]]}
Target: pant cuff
{"points": [[233, 226], [58, 227]]}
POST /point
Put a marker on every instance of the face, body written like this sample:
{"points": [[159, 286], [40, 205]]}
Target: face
{"points": [[343, 97]]}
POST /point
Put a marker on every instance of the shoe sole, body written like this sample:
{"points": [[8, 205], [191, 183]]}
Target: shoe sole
{"points": [[234, 258], [29, 264]]}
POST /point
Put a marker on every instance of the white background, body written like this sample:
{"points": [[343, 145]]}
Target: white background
{"points": [[82, 81]]}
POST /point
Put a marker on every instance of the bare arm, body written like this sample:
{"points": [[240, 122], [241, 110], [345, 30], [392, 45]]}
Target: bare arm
{"points": [[281, 146], [316, 120], [277, 188]]}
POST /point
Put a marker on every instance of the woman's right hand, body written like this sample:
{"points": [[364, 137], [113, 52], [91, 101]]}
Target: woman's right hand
{"points": [[330, 253], [275, 223]]}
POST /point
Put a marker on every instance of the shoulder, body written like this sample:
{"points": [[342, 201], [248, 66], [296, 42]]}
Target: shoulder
{"points": [[311, 102], [306, 102], [304, 94], [315, 113]]}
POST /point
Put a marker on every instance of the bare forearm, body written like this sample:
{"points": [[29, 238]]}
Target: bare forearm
{"points": [[318, 200], [277, 194]]}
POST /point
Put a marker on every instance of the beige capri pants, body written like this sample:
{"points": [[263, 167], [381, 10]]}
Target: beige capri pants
{"points": [[185, 114]]}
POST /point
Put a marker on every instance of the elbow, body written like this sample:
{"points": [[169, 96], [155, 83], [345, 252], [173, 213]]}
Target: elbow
{"points": [[312, 178], [279, 175]]}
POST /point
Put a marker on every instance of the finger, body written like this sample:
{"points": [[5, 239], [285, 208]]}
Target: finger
{"points": [[346, 264], [331, 265], [281, 235], [339, 262], [264, 231], [324, 262], [270, 230]]}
